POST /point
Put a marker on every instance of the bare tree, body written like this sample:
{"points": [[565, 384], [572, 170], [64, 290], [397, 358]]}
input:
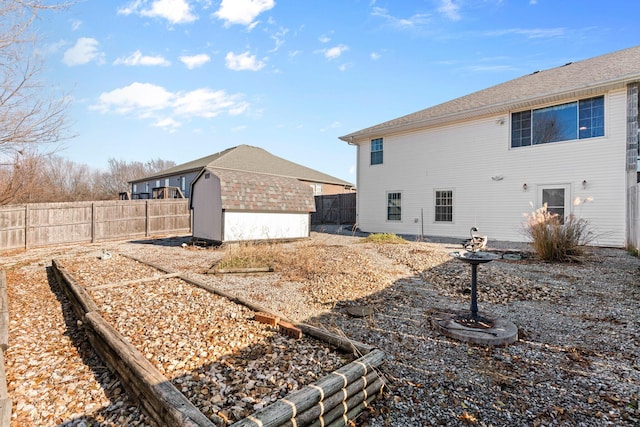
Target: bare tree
{"points": [[66, 181], [28, 116], [120, 173], [20, 179]]}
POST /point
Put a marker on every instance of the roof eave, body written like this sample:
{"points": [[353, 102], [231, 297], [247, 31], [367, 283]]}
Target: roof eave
{"points": [[489, 110]]}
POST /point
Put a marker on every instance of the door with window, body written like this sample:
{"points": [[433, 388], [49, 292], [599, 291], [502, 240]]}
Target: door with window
{"points": [[557, 199]]}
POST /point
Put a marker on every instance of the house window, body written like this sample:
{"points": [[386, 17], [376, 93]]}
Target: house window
{"points": [[376, 151], [183, 183], [394, 206], [317, 189], [146, 187], [166, 182], [157, 183], [444, 206], [573, 120], [555, 197], [135, 188]]}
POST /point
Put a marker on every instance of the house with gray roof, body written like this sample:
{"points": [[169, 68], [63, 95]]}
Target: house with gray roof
{"points": [[241, 158], [566, 137]]}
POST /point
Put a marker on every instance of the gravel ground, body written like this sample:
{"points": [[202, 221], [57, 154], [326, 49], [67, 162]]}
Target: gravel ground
{"points": [[576, 363]]}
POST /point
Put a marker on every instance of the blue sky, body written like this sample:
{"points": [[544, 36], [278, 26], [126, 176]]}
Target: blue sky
{"points": [[181, 79]]}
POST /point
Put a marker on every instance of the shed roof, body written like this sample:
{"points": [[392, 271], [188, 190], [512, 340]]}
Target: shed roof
{"points": [[574, 79], [250, 191], [250, 159]]}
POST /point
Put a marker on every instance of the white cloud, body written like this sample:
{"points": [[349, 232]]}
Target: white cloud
{"points": [[449, 9], [243, 61], [195, 61], [532, 33], [167, 124], [335, 52], [243, 12], [375, 56], [75, 24], [136, 58], [149, 101], [401, 23], [174, 11], [140, 98], [84, 51], [278, 38]]}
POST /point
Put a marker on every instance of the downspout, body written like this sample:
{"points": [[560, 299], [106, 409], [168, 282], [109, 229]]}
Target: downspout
{"points": [[351, 142]]}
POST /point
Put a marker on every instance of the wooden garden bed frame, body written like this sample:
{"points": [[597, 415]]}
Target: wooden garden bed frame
{"points": [[331, 401]]}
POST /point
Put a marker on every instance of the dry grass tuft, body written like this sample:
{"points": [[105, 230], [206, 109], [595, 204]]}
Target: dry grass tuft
{"points": [[384, 238], [556, 240]]}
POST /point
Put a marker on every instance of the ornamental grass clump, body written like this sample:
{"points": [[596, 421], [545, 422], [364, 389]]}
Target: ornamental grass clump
{"points": [[555, 239]]}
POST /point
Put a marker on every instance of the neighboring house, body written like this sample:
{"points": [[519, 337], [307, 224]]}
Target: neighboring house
{"points": [[485, 159], [242, 158], [231, 205]]}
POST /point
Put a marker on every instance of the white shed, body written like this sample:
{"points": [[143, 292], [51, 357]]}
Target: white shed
{"points": [[232, 205]]}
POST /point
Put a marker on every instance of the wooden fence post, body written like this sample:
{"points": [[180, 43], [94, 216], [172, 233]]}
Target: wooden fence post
{"points": [[146, 218], [26, 226], [93, 222]]}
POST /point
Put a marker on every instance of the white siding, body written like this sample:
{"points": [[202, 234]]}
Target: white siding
{"points": [[464, 157], [265, 225], [207, 208]]}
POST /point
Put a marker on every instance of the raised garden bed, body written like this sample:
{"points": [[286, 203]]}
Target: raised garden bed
{"points": [[195, 356]]}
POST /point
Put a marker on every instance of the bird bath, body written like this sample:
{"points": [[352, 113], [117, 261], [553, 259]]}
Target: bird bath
{"points": [[470, 326], [474, 258]]}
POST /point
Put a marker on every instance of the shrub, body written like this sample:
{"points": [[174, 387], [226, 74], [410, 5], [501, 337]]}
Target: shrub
{"points": [[557, 240]]}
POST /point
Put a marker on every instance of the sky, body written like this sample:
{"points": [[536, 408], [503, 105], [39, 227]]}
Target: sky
{"points": [[182, 79]]}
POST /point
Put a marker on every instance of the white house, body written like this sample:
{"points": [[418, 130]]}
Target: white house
{"points": [[485, 159], [232, 205]]}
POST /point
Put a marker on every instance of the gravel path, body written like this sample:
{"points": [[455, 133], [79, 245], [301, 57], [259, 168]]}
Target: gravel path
{"points": [[577, 362]]}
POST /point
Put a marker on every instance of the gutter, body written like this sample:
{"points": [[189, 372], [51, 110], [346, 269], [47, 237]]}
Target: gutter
{"points": [[410, 125]]}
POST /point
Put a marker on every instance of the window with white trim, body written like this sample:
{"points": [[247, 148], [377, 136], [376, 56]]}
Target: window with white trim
{"points": [[317, 188], [376, 151], [556, 197], [444, 206], [394, 206], [573, 120]]}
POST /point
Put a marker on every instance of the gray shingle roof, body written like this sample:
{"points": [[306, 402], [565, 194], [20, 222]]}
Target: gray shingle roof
{"points": [[251, 191], [251, 159], [583, 78]]}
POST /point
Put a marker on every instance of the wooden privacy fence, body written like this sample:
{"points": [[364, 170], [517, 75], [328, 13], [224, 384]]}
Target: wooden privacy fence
{"points": [[47, 224], [335, 209]]}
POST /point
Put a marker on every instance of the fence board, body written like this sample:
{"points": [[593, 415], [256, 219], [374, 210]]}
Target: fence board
{"points": [[335, 209], [47, 224]]}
